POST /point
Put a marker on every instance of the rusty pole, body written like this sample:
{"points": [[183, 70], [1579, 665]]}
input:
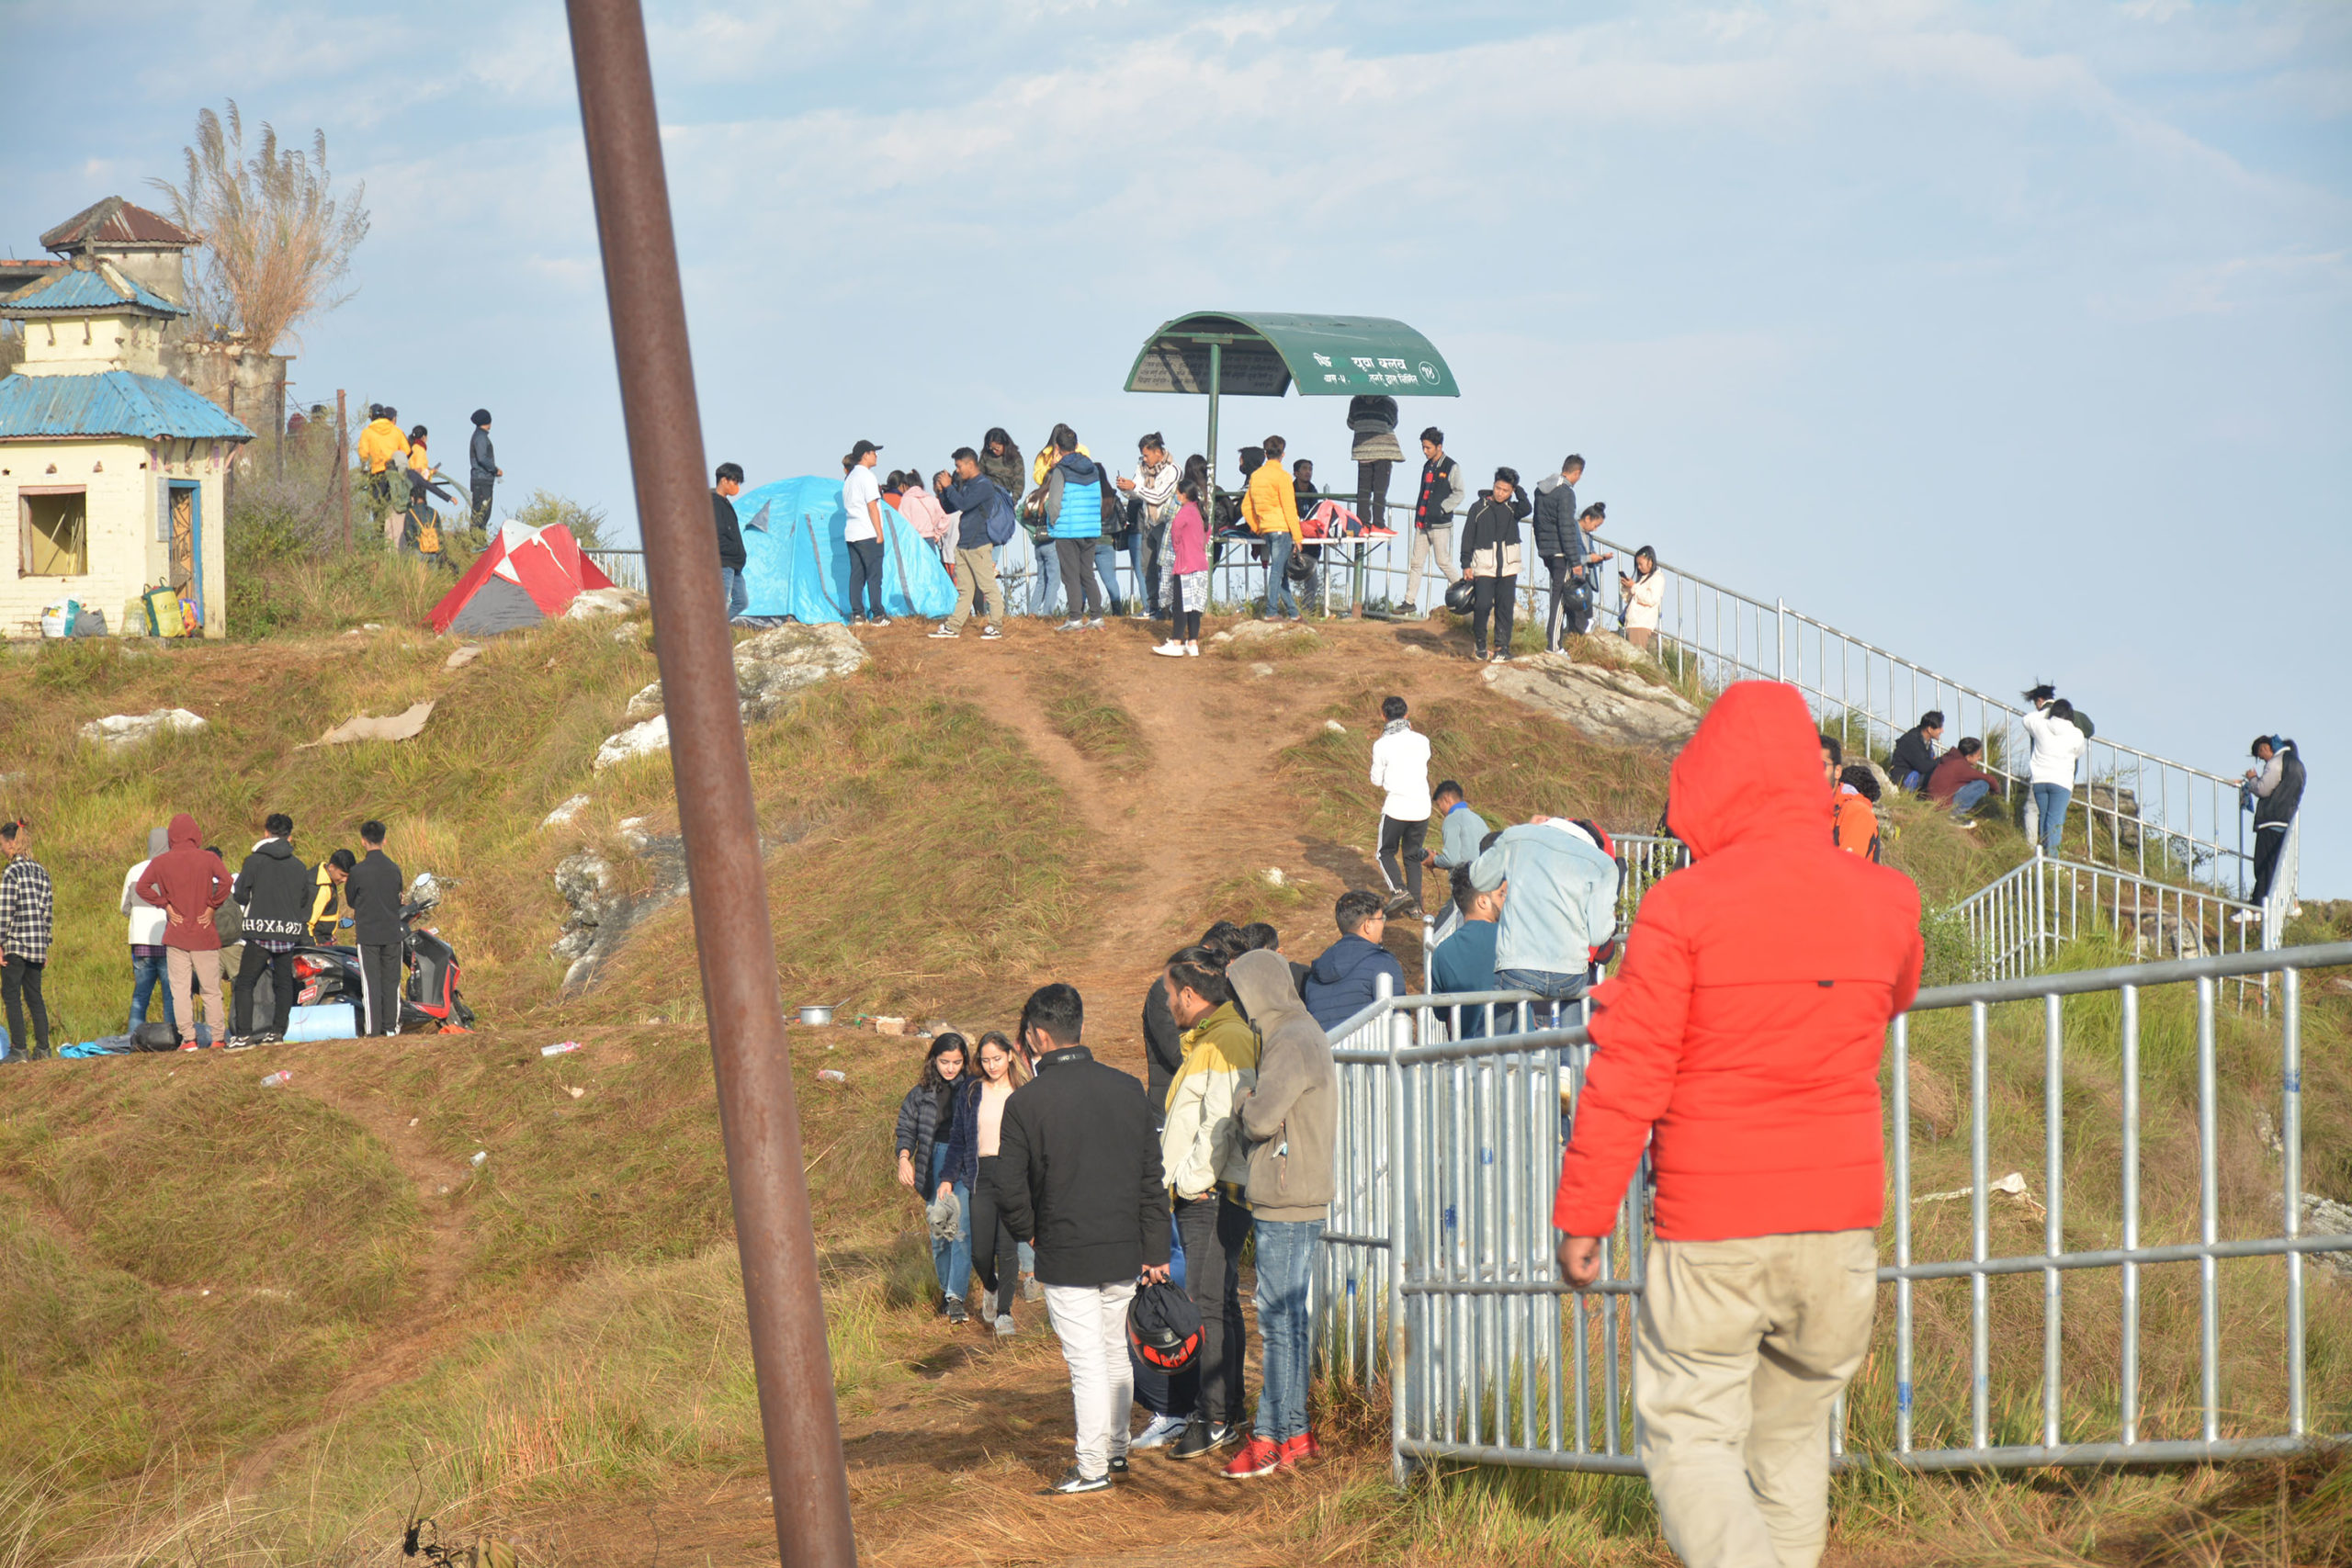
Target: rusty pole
{"points": [[758, 1116]]}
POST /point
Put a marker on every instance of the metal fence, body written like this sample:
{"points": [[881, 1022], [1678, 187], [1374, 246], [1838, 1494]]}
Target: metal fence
{"points": [[1438, 1276], [2017, 922], [1642, 859], [626, 568]]}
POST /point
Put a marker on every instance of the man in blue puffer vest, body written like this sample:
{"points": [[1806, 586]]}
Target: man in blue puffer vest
{"points": [[1345, 979], [1076, 499]]}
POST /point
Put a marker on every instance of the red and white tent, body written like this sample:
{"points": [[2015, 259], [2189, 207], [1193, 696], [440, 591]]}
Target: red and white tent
{"points": [[525, 575]]}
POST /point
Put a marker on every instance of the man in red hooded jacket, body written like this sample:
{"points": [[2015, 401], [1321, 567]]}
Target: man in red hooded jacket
{"points": [[187, 884], [1739, 1042]]}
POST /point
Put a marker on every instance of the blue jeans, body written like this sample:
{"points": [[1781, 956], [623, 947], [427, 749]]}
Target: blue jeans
{"points": [[2050, 812], [1106, 567], [952, 1260], [149, 976], [738, 592], [1046, 589], [1550, 984], [1966, 799], [1279, 600], [1287, 1250]]}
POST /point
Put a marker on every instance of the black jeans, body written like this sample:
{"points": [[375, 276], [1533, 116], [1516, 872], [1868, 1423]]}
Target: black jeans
{"points": [[2267, 842], [281, 990], [1495, 597], [997, 1265], [482, 489], [1407, 838], [1077, 557], [866, 572], [1567, 603], [20, 984], [1372, 492], [380, 975], [1214, 1227]]}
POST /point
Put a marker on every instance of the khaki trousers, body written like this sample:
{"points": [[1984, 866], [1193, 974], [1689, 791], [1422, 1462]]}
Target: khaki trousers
{"points": [[1742, 1350], [1429, 546], [202, 968], [975, 569]]}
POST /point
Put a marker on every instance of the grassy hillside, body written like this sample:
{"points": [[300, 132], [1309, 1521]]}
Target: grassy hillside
{"points": [[253, 1323]]}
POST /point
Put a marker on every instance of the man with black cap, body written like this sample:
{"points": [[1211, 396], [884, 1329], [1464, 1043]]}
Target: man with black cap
{"points": [[732, 556], [862, 499], [486, 471]]}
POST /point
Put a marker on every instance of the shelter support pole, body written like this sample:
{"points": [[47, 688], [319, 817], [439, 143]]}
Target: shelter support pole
{"points": [[758, 1116], [1216, 379]]}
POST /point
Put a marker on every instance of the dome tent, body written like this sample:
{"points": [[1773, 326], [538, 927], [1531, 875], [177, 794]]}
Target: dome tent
{"points": [[797, 559]]}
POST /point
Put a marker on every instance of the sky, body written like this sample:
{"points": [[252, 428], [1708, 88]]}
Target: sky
{"points": [[2013, 337]]}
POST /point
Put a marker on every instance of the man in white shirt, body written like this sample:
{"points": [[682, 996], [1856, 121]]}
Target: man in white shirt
{"points": [[1401, 765], [862, 499]]}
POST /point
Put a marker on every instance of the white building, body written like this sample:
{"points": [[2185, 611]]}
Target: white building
{"points": [[112, 474]]}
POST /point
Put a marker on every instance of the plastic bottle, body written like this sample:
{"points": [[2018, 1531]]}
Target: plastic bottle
{"points": [[276, 1078], [559, 1048], [832, 1075], [480, 1155]]}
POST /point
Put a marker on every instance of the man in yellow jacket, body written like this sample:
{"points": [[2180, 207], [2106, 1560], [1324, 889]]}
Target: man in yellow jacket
{"points": [[382, 440], [1207, 1166], [1270, 508]]}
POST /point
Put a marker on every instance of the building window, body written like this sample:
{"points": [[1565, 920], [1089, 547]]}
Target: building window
{"points": [[54, 532]]}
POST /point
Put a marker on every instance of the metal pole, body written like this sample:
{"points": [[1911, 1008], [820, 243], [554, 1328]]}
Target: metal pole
{"points": [[1216, 376], [343, 466], [758, 1116]]}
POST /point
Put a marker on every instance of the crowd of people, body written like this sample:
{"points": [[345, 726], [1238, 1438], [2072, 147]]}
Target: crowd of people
{"points": [[1470, 546], [185, 914], [403, 482]]}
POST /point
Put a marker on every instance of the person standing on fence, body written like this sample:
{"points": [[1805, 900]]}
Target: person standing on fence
{"points": [[2058, 747], [189, 885], [1079, 1176], [1290, 1125], [735, 595], [28, 922], [1442, 496], [1400, 769], [1739, 1042], [2274, 792], [1207, 1166], [1490, 559], [1372, 419], [481, 470], [1559, 543]]}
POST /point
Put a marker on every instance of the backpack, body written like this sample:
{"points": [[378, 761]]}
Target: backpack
{"points": [[1001, 523]]}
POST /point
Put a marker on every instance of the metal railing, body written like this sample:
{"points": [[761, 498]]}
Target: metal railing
{"points": [[2017, 922], [626, 568], [2139, 811], [1438, 1275], [1642, 859]]}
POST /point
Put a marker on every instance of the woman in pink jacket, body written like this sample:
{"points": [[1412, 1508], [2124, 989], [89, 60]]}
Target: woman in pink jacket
{"points": [[1188, 550]]}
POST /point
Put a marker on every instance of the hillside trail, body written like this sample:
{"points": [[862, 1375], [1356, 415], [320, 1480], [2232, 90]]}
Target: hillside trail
{"points": [[1208, 801]]}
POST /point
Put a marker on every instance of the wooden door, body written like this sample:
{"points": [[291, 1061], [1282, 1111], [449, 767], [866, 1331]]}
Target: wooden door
{"points": [[184, 564]]}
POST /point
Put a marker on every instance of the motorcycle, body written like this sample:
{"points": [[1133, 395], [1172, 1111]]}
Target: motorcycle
{"points": [[325, 974]]}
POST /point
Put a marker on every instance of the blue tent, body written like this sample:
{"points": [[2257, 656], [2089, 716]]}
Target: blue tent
{"points": [[797, 561]]}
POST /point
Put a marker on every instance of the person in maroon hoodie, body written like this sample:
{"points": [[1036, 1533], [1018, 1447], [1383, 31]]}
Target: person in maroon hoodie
{"points": [[1739, 1042], [188, 885]]}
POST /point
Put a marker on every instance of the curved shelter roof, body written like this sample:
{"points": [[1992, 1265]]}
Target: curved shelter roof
{"points": [[1263, 354]]}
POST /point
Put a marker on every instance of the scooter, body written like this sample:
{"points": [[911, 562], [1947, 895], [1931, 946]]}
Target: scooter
{"points": [[326, 974]]}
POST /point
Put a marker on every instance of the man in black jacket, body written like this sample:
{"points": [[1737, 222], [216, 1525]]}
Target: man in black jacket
{"points": [[1490, 538], [1914, 762], [1080, 1176], [2275, 791], [374, 889], [1559, 543], [482, 469], [275, 891], [736, 593]]}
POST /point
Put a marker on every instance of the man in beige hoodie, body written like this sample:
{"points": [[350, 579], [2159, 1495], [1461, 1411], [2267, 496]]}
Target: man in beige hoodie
{"points": [[1289, 1121], [1200, 1149]]}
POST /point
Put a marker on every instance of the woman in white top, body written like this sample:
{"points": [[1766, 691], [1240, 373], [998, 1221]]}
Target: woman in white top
{"points": [[980, 1123], [1644, 593], [2058, 747]]}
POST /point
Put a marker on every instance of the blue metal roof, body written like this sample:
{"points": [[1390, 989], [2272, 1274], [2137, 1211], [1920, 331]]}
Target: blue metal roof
{"points": [[77, 290], [113, 403]]}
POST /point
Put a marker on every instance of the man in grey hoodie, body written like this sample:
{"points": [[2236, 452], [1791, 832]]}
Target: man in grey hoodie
{"points": [[1289, 1123]]}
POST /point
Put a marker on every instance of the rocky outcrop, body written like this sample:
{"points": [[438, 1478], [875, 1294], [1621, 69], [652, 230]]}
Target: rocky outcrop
{"points": [[602, 913], [121, 731], [770, 671], [1609, 704]]}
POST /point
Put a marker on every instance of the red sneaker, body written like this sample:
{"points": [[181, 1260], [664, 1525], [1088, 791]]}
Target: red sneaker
{"points": [[1301, 1449], [1258, 1456]]}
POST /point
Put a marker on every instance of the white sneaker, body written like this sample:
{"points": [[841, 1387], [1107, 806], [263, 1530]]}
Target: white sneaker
{"points": [[1192, 651], [1159, 1432], [989, 633], [1096, 624], [1169, 650], [1071, 625], [943, 634]]}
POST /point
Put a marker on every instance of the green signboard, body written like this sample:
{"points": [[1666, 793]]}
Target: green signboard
{"points": [[1264, 356]]}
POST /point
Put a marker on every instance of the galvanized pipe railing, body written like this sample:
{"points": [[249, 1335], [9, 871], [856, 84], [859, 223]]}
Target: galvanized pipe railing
{"points": [[2020, 920], [1449, 1185]]}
